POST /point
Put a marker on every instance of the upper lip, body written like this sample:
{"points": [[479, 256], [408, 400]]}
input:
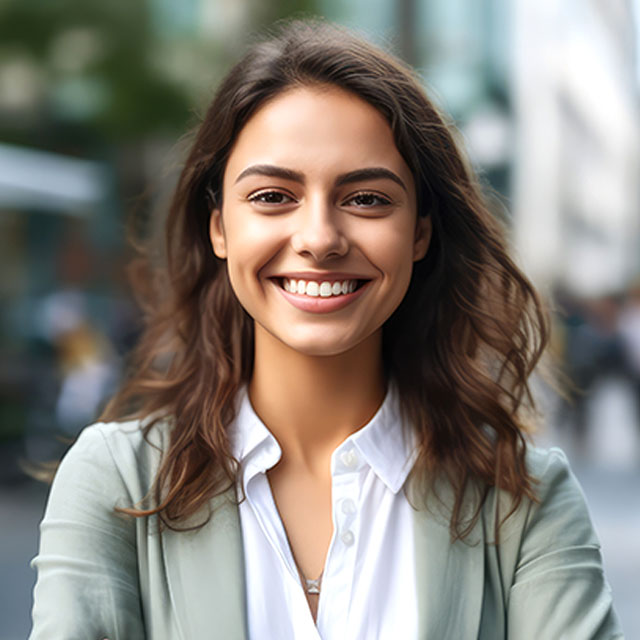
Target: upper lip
{"points": [[320, 276]]}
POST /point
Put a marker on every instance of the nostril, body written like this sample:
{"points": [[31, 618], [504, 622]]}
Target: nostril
{"points": [[320, 244]]}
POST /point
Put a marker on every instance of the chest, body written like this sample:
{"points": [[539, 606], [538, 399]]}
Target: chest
{"points": [[229, 577], [303, 503], [360, 539]]}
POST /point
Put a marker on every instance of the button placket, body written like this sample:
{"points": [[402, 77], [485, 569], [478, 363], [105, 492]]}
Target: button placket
{"points": [[346, 505], [338, 576], [346, 511]]}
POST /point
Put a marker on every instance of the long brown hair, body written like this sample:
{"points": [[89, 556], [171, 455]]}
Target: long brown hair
{"points": [[460, 347]]}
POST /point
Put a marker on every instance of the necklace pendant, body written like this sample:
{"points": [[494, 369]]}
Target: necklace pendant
{"points": [[313, 586]]}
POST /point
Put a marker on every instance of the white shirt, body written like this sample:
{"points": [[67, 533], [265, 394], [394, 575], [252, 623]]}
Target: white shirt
{"points": [[369, 584]]}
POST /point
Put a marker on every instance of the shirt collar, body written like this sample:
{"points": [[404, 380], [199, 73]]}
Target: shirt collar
{"points": [[247, 432], [385, 444]]}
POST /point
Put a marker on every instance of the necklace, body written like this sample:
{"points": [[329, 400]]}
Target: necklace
{"points": [[312, 587]]}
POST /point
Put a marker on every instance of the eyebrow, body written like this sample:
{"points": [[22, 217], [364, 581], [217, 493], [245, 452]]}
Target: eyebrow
{"points": [[271, 171], [359, 175]]}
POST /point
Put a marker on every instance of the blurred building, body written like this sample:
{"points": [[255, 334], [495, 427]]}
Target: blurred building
{"points": [[576, 195]]}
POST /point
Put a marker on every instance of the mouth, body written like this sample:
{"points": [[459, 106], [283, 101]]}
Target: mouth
{"points": [[329, 288], [322, 294]]}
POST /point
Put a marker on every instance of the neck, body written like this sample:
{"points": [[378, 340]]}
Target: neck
{"points": [[312, 403]]}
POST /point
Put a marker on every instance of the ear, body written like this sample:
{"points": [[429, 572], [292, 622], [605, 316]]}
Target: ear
{"points": [[422, 237], [216, 234]]}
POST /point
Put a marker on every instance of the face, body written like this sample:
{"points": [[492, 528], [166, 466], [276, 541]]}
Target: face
{"points": [[318, 223]]}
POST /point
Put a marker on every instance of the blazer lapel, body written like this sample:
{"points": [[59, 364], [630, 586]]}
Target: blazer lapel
{"points": [[205, 572], [450, 578]]}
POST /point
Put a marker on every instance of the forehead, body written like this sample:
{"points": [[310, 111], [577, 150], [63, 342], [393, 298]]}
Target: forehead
{"points": [[317, 130]]}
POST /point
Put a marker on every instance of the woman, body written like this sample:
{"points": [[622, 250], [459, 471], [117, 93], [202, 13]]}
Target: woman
{"points": [[327, 433]]}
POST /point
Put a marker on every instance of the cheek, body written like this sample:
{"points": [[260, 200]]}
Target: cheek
{"points": [[390, 250], [250, 247]]}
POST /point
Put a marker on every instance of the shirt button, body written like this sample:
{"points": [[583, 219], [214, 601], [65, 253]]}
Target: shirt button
{"points": [[348, 538], [349, 458], [348, 507]]}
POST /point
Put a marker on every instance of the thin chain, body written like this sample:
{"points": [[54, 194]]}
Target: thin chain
{"points": [[311, 587]]}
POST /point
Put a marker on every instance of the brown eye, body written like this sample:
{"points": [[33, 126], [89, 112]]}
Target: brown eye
{"points": [[367, 199], [271, 197]]}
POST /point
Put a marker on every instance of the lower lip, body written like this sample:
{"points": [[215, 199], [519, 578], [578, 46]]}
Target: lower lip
{"points": [[319, 304]]}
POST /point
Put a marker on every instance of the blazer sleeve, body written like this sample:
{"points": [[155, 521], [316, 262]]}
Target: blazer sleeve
{"points": [[87, 584], [559, 589]]}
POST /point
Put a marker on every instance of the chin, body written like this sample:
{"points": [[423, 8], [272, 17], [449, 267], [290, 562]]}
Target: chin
{"points": [[318, 348], [319, 351], [316, 344]]}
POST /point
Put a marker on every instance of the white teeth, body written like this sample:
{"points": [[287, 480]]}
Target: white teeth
{"points": [[324, 289]]}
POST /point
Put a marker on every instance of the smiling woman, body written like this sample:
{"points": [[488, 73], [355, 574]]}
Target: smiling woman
{"points": [[324, 430]]}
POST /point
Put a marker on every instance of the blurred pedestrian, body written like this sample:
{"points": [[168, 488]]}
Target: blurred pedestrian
{"points": [[593, 351], [629, 328]]}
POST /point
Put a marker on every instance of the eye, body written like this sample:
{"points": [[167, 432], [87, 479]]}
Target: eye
{"points": [[270, 198], [368, 199]]}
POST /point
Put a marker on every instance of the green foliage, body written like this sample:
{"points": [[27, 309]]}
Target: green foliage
{"points": [[111, 82], [106, 70], [291, 8]]}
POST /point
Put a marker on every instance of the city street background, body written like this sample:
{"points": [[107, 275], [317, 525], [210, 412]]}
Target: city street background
{"points": [[95, 102]]}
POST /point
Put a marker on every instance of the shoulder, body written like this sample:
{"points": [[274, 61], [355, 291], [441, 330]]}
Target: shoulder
{"points": [[116, 457], [553, 480], [558, 514], [546, 463], [551, 563], [560, 501]]}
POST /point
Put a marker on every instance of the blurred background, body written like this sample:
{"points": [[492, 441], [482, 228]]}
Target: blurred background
{"points": [[95, 101]]}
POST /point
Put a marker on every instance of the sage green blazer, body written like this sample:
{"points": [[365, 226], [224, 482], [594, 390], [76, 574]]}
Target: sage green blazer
{"points": [[103, 575]]}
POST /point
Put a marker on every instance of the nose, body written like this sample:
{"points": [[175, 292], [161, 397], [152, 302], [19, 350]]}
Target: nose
{"points": [[317, 233]]}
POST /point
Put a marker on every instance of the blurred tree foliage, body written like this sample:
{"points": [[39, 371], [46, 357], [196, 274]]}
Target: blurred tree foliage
{"points": [[94, 63], [280, 9], [102, 71]]}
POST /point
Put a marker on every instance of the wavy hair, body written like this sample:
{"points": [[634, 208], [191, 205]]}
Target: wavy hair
{"points": [[460, 347]]}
